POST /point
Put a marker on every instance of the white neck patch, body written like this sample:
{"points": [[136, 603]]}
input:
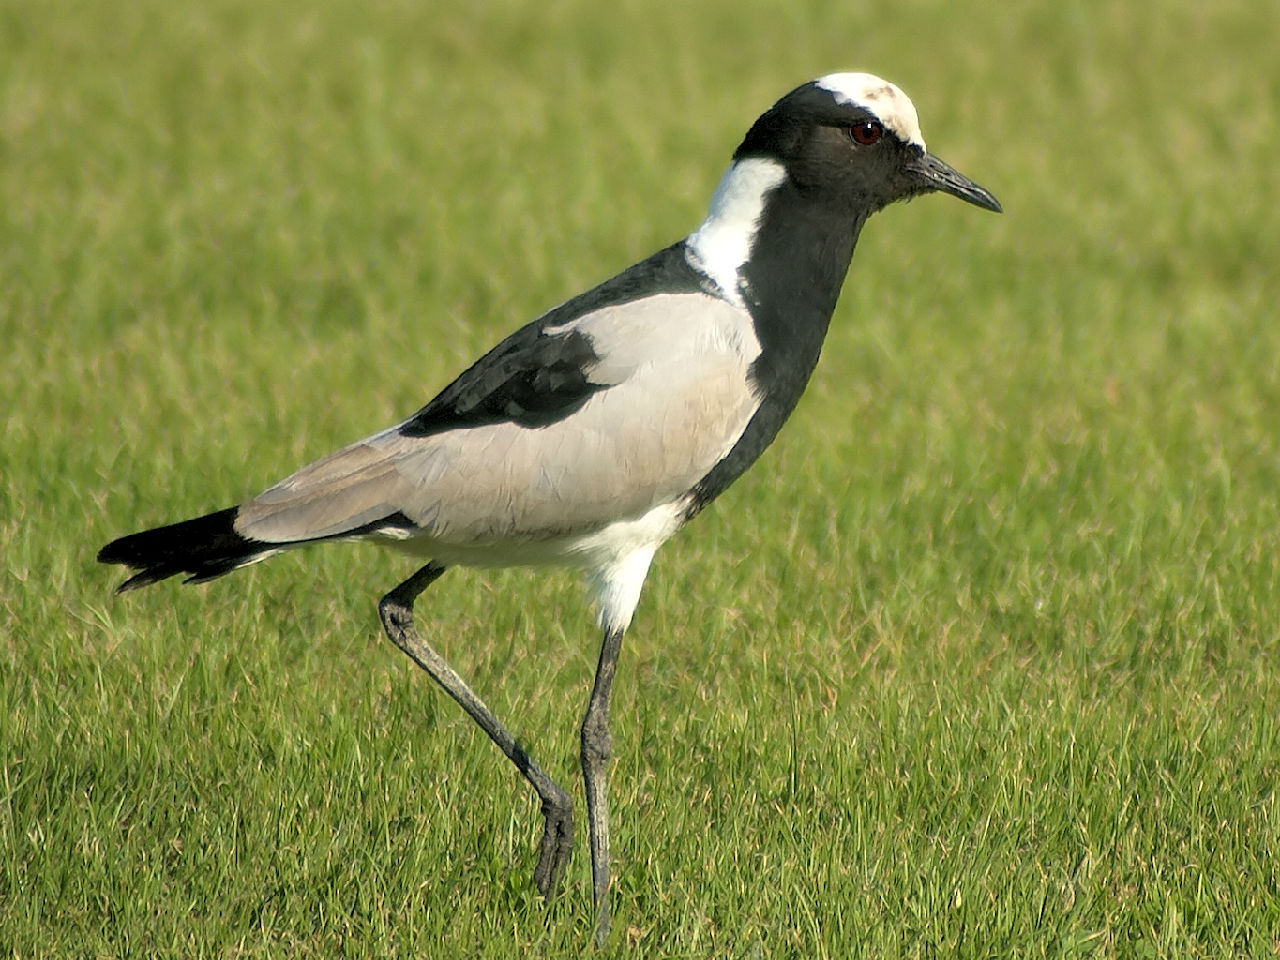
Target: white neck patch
{"points": [[722, 244], [893, 107]]}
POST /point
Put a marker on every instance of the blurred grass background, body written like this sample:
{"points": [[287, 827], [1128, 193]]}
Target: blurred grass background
{"points": [[980, 660]]}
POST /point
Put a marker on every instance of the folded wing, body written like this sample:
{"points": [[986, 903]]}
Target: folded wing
{"points": [[560, 429]]}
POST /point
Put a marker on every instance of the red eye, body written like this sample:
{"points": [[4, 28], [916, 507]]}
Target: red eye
{"points": [[866, 133]]}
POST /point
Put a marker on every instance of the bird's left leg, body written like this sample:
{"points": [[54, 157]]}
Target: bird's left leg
{"points": [[596, 750], [396, 610]]}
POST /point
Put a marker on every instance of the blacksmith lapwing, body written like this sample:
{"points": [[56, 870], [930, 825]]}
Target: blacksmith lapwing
{"points": [[591, 435]]}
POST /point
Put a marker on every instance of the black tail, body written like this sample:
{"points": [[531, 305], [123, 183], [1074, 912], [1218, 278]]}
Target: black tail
{"points": [[204, 548]]}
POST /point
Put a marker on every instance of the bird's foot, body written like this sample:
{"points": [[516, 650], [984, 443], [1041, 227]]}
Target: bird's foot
{"points": [[557, 843]]}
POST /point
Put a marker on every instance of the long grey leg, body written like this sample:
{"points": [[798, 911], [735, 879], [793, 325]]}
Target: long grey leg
{"points": [[596, 750], [396, 611]]}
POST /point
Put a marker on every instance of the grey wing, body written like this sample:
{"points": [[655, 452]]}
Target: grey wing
{"points": [[670, 394]]}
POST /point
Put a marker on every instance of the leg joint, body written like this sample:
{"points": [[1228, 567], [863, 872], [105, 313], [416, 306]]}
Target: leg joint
{"points": [[394, 614]]}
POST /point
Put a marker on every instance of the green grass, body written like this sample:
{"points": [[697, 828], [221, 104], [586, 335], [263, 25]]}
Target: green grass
{"points": [[981, 660]]}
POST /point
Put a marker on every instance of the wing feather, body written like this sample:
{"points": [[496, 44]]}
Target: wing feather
{"points": [[662, 392]]}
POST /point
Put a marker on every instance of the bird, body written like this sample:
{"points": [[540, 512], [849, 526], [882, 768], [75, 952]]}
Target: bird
{"points": [[591, 435]]}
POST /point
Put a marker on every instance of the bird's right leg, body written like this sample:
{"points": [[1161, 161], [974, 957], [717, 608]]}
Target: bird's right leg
{"points": [[396, 611]]}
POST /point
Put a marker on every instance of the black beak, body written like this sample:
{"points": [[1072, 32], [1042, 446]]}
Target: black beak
{"points": [[933, 174]]}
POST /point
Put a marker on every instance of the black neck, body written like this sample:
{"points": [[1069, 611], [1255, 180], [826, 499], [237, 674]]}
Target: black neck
{"points": [[798, 264]]}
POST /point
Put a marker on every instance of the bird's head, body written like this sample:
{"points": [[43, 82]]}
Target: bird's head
{"points": [[854, 139]]}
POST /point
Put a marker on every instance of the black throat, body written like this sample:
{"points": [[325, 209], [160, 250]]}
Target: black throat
{"points": [[799, 258]]}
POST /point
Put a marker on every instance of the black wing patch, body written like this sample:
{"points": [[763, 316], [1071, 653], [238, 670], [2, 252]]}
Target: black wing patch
{"points": [[532, 378]]}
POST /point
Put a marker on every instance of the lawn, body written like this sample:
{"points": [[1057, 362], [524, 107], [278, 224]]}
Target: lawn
{"points": [[981, 660]]}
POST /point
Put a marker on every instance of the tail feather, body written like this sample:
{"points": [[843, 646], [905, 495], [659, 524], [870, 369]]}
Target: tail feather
{"points": [[203, 548]]}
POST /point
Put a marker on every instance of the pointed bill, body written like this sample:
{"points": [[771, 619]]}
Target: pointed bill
{"points": [[933, 174]]}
